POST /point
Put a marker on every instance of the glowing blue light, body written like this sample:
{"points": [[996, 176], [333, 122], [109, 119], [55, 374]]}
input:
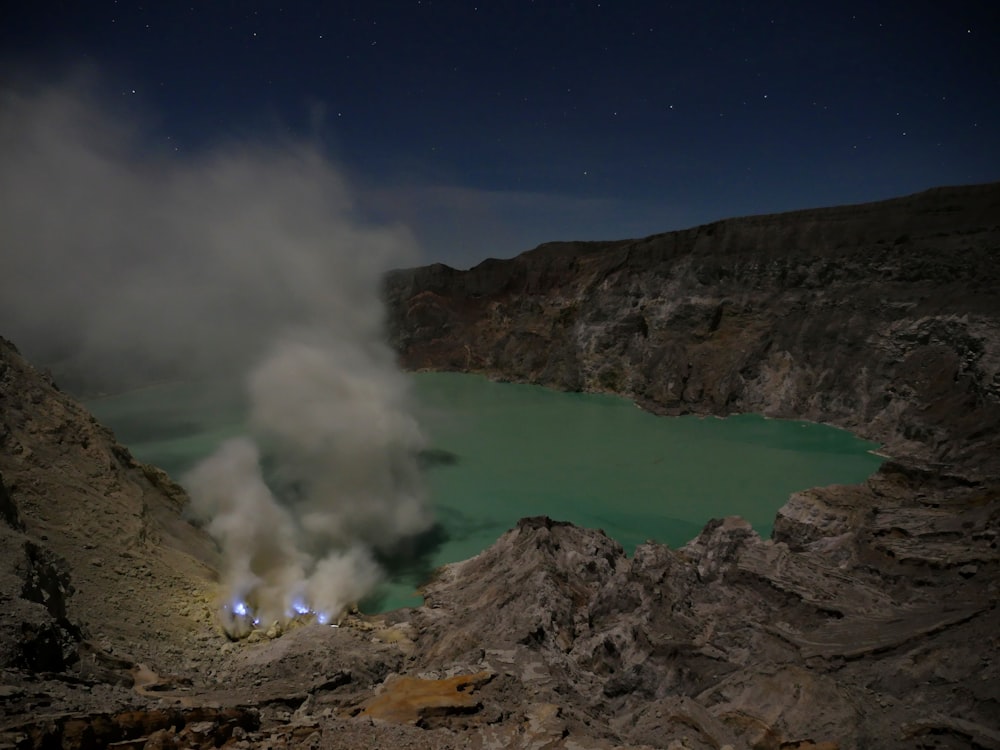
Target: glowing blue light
{"points": [[240, 608], [322, 618], [299, 606]]}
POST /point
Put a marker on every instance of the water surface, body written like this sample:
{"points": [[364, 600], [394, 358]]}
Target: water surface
{"points": [[499, 452]]}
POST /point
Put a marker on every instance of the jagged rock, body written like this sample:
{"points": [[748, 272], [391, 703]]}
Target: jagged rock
{"points": [[869, 619], [88, 515], [193, 728], [8, 510], [882, 318], [412, 700], [35, 633], [756, 649]]}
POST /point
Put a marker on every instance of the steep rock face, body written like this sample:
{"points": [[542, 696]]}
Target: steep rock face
{"points": [[94, 543], [734, 640], [35, 633], [883, 318], [869, 619]]}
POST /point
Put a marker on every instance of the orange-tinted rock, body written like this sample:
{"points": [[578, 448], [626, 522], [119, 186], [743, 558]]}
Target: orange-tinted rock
{"points": [[408, 700]]}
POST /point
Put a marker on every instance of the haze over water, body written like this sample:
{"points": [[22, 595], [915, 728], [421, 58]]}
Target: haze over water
{"points": [[502, 451]]}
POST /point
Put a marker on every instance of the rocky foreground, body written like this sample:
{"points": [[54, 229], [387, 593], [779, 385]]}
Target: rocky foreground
{"points": [[868, 620]]}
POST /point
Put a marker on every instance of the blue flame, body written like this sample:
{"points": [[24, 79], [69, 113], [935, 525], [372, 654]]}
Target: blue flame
{"points": [[322, 618], [299, 606], [240, 608]]}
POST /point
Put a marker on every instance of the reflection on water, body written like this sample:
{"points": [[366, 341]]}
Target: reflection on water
{"points": [[499, 452]]}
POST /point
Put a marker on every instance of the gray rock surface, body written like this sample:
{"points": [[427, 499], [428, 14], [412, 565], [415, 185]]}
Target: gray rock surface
{"points": [[881, 318], [869, 619]]}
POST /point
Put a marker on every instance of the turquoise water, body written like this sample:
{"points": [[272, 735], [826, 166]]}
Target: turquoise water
{"points": [[501, 451]]}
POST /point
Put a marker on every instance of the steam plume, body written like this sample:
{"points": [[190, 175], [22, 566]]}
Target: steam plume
{"points": [[121, 268]]}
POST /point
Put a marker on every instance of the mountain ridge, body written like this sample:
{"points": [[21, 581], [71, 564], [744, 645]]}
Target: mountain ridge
{"points": [[868, 619], [759, 314]]}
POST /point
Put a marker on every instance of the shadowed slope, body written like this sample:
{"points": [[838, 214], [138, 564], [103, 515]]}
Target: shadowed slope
{"points": [[883, 318]]}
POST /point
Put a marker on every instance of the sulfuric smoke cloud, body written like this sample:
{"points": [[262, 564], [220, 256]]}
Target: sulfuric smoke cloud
{"points": [[122, 267]]}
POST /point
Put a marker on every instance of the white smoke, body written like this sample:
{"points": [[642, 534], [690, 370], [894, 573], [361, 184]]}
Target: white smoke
{"points": [[121, 268], [331, 413]]}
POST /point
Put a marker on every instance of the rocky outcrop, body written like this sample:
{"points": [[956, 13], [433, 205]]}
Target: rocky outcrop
{"points": [[553, 637], [882, 318], [734, 640], [422, 701], [164, 728], [96, 565], [869, 619], [35, 633]]}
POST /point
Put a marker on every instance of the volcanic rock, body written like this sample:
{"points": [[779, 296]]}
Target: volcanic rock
{"points": [[84, 517], [881, 318], [415, 700], [868, 619]]}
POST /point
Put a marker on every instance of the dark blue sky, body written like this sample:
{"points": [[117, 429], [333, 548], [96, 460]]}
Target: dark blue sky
{"points": [[490, 127]]}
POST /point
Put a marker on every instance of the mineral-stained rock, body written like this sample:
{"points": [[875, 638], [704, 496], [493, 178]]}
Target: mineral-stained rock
{"points": [[90, 519], [192, 728], [736, 640], [869, 619], [883, 318], [415, 700]]}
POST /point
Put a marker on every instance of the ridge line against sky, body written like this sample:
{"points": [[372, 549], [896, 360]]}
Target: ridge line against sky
{"points": [[490, 127]]}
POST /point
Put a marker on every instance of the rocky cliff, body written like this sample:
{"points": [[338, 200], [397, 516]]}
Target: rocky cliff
{"points": [[83, 517], [870, 618], [882, 318]]}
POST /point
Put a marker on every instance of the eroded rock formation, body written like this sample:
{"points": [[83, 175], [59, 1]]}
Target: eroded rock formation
{"points": [[881, 318], [869, 619]]}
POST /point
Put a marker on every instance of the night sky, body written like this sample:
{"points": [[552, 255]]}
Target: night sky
{"points": [[491, 127]]}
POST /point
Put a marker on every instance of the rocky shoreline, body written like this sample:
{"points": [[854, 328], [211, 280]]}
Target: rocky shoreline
{"points": [[869, 619], [880, 318]]}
